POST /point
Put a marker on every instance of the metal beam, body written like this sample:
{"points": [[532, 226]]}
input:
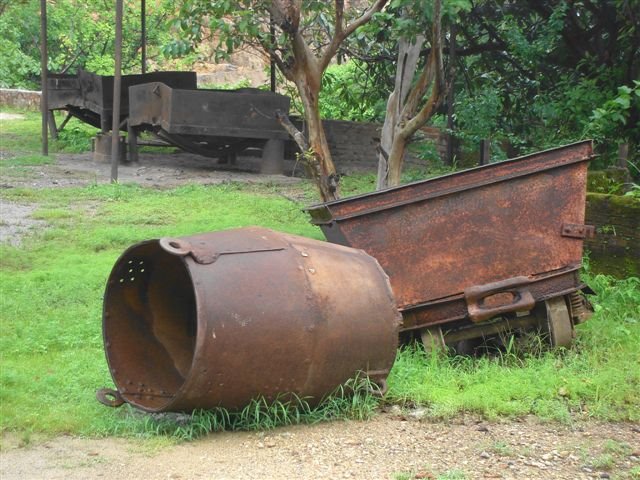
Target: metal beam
{"points": [[272, 69], [117, 89], [143, 34], [44, 99]]}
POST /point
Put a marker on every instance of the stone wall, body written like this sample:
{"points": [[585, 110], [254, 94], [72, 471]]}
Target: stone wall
{"points": [[615, 250], [19, 99], [354, 144]]}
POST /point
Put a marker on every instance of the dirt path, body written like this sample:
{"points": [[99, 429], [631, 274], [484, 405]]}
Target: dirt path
{"points": [[161, 170], [388, 447], [153, 170]]}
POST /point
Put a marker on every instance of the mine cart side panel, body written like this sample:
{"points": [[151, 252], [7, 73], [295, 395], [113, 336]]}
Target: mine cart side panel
{"points": [[63, 90], [246, 113], [521, 219]]}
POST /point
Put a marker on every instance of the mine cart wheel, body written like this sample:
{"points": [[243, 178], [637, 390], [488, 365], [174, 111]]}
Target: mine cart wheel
{"points": [[432, 339], [559, 323]]}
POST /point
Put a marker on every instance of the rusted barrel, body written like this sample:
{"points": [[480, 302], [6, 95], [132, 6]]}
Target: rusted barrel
{"points": [[221, 318]]}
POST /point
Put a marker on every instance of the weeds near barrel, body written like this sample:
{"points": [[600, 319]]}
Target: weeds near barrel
{"points": [[355, 399]]}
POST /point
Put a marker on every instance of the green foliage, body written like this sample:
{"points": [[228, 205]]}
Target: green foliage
{"points": [[608, 120], [478, 117], [80, 35], [234, 24], [348, 94], [634, 192], [17, 67], [244, 83], [538, 75], [76, 137]]}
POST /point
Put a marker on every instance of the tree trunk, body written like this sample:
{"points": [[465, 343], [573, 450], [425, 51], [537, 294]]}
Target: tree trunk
{"points": [[396, 159], [318, 159], [388, 157], [307, 76], [405, 115]]}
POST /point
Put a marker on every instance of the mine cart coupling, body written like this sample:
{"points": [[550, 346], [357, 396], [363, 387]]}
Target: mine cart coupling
{"points": [[488, 301]]}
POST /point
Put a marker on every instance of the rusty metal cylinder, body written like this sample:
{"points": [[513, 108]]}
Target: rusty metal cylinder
{"points": [[221, 318]]}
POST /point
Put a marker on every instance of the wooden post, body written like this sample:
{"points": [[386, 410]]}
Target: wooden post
{"points": [[44, 99], [132, 138], [485, 151], [272, 37], [143, 35], [53, 129], [117, 90], [451, 93], [623, 155], [273, 158]]}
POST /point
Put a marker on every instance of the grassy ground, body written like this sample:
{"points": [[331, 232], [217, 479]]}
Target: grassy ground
{"points": [[597, 378], [51, 289]]}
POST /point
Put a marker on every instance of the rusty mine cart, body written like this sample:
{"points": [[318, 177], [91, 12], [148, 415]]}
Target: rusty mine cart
{"points": [[479, 252]]}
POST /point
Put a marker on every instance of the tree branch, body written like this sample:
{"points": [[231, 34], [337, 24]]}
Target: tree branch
{"points": [[340, 33], [291, 129]]}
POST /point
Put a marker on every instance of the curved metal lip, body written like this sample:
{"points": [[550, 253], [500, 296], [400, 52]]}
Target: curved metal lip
{"points": [[199, 347], [179, 393]]}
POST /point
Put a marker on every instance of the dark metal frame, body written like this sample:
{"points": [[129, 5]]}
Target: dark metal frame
{"points": [[117, 84]]}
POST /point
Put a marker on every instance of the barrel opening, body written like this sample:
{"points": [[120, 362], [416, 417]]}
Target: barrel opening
{"points": [[150, 325]]}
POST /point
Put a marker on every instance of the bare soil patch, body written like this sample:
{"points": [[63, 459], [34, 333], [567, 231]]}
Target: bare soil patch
{"points": [[16, 221], [388, 447], [161, 170], [11, 116]]}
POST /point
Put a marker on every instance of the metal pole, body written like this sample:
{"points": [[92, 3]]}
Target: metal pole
{"points": [[117, 87], [143, 34], [485, 151], [272, 34], [451, 95], [44, 98]]}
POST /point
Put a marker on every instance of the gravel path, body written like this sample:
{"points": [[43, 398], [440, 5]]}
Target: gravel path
{"points": [[391, 446]]}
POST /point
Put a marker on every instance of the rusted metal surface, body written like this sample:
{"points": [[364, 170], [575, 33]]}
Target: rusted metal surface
{"points": [[452, 244], [89, 97], [488, 301], [63, 90], [220, 318], [208, 122]]}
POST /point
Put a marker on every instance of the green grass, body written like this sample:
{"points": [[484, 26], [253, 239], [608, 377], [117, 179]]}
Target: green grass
{"points": [[51, 291], [23, 136], [448, 475], [27, 161], [52, 286], [351, 401], [597, 378]]}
